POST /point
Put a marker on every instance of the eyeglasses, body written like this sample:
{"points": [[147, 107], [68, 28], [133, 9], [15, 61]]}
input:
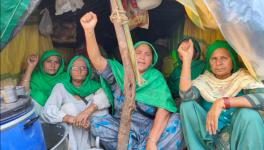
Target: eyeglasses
{"points": [[77, 68]]}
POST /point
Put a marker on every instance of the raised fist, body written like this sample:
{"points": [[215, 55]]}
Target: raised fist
{"points": [[32, 60], [89, 21], [186, 50]]}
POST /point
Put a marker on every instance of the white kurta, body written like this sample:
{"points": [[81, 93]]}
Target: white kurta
{"points": [[37, 107], [61, 102]]}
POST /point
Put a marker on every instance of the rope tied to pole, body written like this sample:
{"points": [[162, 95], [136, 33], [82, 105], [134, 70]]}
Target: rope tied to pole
{"points": [[119, 16]]}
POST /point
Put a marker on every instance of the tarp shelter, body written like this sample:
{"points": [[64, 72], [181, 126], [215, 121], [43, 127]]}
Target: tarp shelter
{"points": [[240, 22]]}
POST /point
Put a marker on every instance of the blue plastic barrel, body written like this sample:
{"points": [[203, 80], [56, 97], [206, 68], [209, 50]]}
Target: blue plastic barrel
{"points": [[23, 132]]}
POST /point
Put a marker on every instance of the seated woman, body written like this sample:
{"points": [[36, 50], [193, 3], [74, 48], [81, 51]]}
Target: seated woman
{"points": [[40, 81], [197, 66], [74, 100], [220, 100], [153, 126]]}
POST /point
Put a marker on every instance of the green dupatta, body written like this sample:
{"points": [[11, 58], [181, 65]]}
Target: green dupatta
{"points": [[42, 83], [154, 90], [88, 86]]}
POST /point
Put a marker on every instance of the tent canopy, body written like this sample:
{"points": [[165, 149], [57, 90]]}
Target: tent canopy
{"points": [[233, 18]]}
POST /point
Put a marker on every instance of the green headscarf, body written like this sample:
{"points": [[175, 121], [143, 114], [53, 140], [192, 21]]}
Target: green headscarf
{"points": [[221, 44], [197, 67], [41, 83], [88, 86], [154, 90]]}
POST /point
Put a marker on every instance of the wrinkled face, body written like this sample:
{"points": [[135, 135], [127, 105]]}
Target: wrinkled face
{"points": [[78, 70], [51, 65], [221, 63], [143, 57]]}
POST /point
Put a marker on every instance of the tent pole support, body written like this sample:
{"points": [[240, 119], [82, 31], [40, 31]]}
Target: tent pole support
{"points": [[129, 79]]}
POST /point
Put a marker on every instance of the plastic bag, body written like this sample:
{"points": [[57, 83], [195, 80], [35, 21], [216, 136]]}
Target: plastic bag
{"points": [[241, 23], [136, 16], [63, 6], [45, 25], [148, 4]]}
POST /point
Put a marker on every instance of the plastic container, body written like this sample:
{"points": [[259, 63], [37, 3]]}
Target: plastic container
{"points": [[20, 90], [9, 94], [55, 136], [19, 126]]}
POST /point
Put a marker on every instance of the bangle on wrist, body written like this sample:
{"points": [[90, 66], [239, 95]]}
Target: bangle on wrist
{"points": [[226, 102]]}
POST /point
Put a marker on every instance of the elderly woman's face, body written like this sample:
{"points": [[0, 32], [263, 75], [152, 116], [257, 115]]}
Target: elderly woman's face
{"points": [[79, 70], [221, 63], [143, 57], [51, 65]]}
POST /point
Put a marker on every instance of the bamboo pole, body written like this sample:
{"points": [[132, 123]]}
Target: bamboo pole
{"points": [[130, 46], [129, 83]]}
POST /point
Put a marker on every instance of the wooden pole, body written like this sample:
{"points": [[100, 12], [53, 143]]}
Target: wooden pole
{"points": [[129, 84], [130, 46]]}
